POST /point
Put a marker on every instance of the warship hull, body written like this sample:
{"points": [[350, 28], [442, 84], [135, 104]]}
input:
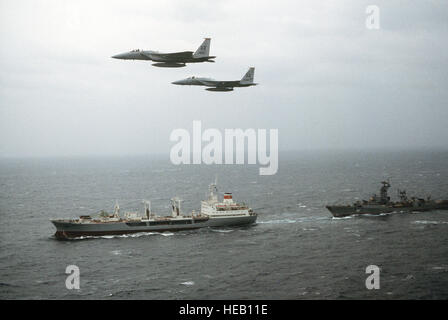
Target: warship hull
{"points": [[383, 205], [344, 211], [66, 229]]}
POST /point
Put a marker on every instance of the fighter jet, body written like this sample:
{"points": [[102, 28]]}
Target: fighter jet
{"points": [[215, 85], [170, 60]]}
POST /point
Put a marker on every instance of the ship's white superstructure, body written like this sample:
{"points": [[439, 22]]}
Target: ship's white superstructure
{"points": [[226, 210]]}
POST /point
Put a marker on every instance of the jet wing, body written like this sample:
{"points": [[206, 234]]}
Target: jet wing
{"points": [[219, 84], [171, 56], [208, 83]]}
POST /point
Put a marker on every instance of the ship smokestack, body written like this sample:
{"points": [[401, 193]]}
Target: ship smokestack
{"points": [[228, 197]]}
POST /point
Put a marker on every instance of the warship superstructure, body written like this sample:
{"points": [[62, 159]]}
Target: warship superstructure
{"points": [[383, 204], [213, 213]]}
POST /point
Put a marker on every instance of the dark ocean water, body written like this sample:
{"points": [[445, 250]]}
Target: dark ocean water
{"points": [[295, 251]]}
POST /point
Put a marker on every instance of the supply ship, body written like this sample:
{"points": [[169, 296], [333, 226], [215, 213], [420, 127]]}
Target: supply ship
{"points": [[213, 213], [382, 204]]}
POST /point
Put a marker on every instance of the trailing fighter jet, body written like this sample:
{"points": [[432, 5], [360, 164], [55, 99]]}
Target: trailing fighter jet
{"points": [[170, 60], [215, 85]]}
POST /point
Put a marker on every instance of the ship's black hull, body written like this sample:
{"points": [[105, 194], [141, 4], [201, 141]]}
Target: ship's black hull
{"points": [[69, 229], [65, 235]]}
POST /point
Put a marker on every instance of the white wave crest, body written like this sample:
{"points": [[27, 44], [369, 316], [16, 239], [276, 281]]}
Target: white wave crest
{"points": [[279, 221], [429, 222], [222, 230]]}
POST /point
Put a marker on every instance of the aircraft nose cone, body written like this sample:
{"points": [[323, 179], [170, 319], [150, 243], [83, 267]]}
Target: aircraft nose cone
{"points": [[177, 82], [120, 56]]}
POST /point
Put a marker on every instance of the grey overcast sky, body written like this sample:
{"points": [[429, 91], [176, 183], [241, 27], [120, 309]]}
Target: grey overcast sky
{"points": [[326, 81]]}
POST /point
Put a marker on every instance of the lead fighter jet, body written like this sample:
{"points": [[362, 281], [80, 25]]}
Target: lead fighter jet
{"points": [[215, 85], [170, 60]]}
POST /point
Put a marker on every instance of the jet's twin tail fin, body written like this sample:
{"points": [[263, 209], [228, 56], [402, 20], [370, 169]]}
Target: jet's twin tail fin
{"points": [[248, 77], [203, 50]]}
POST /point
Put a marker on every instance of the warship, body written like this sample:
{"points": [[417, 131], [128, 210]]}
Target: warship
{"points": [[213, 213], [383, 204]]}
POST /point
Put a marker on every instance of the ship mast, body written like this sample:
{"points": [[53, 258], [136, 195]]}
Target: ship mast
{"points": [[213, 191], [147, 208], [116, 209], [175, 207], [384, 198]]}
